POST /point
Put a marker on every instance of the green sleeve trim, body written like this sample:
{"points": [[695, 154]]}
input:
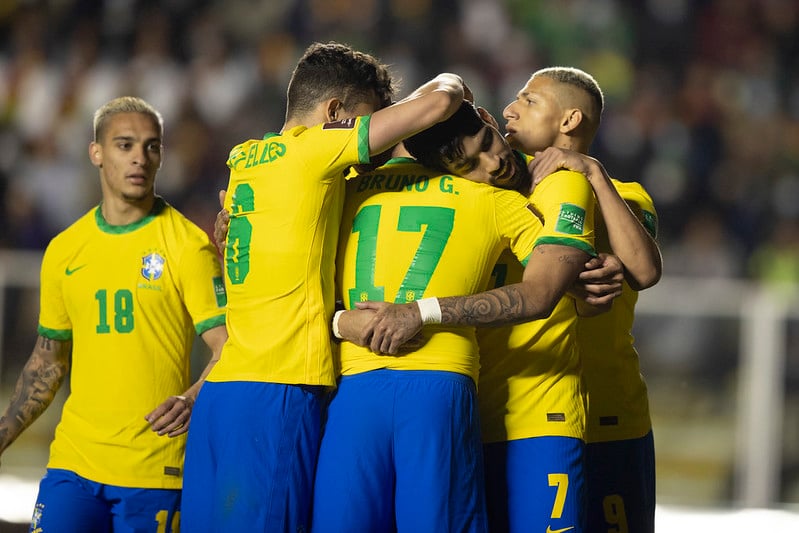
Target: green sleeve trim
{"points": [[205, 325], [363, 139], [55, 334], [574, 243]]}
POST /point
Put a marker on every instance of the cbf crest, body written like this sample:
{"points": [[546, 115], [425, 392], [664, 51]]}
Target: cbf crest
{"points": [[152, 266]]}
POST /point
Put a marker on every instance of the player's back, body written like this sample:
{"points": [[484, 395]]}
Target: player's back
{"points": [[409, 232], [285, 197]]}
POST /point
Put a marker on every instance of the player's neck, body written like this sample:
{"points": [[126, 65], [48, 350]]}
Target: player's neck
{"points": [[574, 144], [121, 212]]}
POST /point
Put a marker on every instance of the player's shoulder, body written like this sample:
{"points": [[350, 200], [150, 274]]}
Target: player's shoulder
{"points": [[509, 199], [243, 154], [179, 224], [634, 193], [563, 185], [76, 231], [631, 189]]}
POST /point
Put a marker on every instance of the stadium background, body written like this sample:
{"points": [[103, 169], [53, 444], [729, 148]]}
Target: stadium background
{"points": [[702, 107]]}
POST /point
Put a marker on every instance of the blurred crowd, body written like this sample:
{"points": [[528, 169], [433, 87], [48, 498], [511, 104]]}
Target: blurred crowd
{"points": [[702, 99]]}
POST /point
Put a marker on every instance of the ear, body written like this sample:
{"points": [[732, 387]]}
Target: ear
{"points": [[333, 110], [96, 154], [572, 118]]}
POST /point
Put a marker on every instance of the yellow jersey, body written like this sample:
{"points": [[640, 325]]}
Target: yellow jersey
{"points": [[285, 197], [131, 298], [530, 382], [409, 232]]}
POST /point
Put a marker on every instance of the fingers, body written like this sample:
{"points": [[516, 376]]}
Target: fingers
{"points": [[375, 306], [222, 194], [171, 418], [600, 275], [390, 339], [603, 299], [220, 229]]}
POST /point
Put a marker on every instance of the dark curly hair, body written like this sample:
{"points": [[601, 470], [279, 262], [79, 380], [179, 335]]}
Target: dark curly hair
{"points": [[328, 70]]}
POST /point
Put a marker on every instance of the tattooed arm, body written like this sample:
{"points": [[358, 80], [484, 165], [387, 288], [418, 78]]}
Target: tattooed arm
{"points": [[36, 387], [549, 273]]}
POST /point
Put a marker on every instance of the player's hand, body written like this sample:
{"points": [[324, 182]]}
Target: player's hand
{"points": [[601, 281], [172, 417], [353, 326], [392, 326], [553, 159], [221, 224]]}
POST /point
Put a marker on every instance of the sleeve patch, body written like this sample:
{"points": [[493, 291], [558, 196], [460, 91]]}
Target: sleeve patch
{"points": [[651, 224], [571, 219], [219, 291]]}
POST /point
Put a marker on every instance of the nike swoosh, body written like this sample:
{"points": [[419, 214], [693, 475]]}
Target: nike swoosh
{"points": [[550, 530], [69, 272]]}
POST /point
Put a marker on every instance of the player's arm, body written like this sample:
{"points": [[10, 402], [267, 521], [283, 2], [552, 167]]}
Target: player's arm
{"points": [[41, 377], [643, 264], [433, 102], [172, 417], [549, 273]]}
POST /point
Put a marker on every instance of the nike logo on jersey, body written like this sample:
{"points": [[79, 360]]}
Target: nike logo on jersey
{"points": [[69, 271], [550, 530]]}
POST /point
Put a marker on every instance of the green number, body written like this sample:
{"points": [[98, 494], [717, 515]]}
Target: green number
{"points": [[437, 223], [123, 311], [365, 224], [237, 249], [613, 506], [102, 326]]}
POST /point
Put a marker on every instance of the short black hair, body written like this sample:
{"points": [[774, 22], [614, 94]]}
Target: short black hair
{"points": [[441, 144]]}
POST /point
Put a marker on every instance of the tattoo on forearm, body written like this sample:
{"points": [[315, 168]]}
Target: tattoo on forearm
{"points": [[35, 388], [499, 306]]}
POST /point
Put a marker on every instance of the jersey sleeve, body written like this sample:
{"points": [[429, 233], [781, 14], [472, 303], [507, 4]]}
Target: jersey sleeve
{"points": [[567, 205], [641, 204], [201, 284], [517, 222], [54, 321]]}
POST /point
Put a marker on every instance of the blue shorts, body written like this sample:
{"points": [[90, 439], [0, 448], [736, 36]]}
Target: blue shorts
{"points": [[69, 503], [536, 484], [250, 457], [620, 484], [401, 452]]}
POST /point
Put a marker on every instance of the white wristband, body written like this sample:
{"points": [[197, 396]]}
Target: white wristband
{"points": [[430, 310], [336, 332]]}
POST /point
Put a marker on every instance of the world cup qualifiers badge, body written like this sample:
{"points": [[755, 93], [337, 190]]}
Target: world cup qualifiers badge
{"points": [[152, 266]]}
